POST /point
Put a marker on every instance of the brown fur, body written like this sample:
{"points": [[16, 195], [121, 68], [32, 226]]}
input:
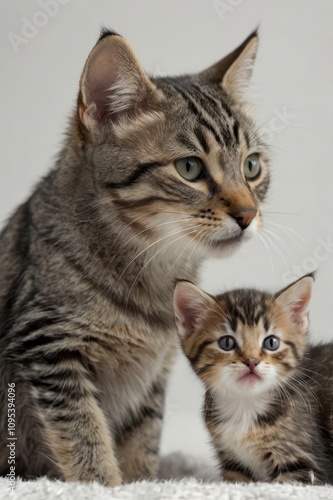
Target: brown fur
{"points": [[87, 263]]}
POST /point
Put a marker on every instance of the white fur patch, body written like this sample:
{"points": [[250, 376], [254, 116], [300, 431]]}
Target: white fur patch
{"points": [[122, 94]]}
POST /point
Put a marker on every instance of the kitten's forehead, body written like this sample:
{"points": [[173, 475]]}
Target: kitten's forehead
{"points": [[247, 307]]}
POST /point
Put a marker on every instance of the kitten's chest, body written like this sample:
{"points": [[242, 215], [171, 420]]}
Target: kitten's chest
{"points": [[237, 435]]}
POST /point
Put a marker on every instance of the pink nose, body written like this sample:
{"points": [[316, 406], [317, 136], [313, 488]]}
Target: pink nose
{"points": [[251, 363], [245, 217]]}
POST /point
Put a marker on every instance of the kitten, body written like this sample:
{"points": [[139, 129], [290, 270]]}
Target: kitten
{"points": [[155, 174], [269, 394]]}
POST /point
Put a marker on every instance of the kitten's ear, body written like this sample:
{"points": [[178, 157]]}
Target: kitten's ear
{"points": [[296, 300], [234, 71], [191, 305], [112, 83]]}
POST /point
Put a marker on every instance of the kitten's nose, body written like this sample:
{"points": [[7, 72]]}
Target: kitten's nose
{"points": [[244, 217], [251, 363]]}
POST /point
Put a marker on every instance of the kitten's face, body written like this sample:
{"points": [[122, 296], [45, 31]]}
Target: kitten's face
{"points": [[243, 342], [182, 162]]}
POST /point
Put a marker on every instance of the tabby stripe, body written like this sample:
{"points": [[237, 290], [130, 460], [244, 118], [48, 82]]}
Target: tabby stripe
{"points": [[270, 418], [201, 139], [66, 395], [218, 107], [62, 355], [138, 172], [204, 369], [144, 414], [286, 365], [23, 302], [186, 141], [221, 103], [145, 201], [54, 402], [39, 342], [267, 324], [293, 348], [171, 188], [214, 112], [193, 108], [236, 131], [194, 359], [247, 138], [300, 465], [234, 466], [34, 326]]}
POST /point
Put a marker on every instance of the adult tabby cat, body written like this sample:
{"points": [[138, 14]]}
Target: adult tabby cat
{"points": [[269, 394], [155, 174]]}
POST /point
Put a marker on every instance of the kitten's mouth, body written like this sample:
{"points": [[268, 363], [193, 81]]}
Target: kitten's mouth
{"points": [[251, 377]]}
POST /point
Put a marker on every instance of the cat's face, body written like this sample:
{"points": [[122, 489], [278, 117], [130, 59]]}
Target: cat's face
{"points": [[243, 342], [178, 158]]}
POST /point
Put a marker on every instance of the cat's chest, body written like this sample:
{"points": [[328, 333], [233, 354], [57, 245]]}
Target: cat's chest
{"points": [[133, 366]]}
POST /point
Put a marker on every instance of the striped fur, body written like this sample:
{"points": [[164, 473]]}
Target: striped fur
{"points": [[271, 422], [87, 263]]}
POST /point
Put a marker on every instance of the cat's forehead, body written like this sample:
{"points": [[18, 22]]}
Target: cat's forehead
{"points": [[209, 105]]}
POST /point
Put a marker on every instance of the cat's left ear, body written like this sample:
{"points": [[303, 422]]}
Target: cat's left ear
{"points": [[296, 300], [191, 306], [234, 71]]}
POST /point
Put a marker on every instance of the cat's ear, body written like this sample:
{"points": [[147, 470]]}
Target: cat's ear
{"points": [[191, 306], [295, 299], [113, 83], [234, 71]]}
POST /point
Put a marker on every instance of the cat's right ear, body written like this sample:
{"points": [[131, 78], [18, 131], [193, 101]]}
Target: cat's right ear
{"points": [[113, 84], [233, 72], [191, 306]]}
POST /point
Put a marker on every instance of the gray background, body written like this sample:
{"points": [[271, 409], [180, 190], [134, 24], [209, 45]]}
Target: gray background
{"points": [[293, 77]]}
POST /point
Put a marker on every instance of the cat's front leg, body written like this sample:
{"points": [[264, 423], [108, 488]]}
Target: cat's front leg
{"points": [[74, 425], [138, 441]]}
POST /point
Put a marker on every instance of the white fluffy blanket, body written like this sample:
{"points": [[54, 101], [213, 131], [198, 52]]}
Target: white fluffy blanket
{"points": [[191, 480]]}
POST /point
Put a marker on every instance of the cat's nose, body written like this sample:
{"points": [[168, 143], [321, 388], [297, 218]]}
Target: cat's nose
{"points": [[244, 217], [251, 363]]}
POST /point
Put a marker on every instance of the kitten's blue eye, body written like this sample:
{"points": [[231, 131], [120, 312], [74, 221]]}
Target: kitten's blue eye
{"points": [[227, 343], [271, 343], [190, 168], [252, 167]]}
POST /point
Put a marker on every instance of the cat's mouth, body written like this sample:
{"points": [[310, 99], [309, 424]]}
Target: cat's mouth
{"points": [[232, 240]]}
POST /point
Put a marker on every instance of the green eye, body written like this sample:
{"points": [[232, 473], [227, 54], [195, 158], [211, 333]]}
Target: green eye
{"points": [[227, 343], [271, 343], [252, 167], [190, 168]]}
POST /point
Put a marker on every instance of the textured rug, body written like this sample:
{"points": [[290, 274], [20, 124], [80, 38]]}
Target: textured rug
{"points": [[191, 479]]}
